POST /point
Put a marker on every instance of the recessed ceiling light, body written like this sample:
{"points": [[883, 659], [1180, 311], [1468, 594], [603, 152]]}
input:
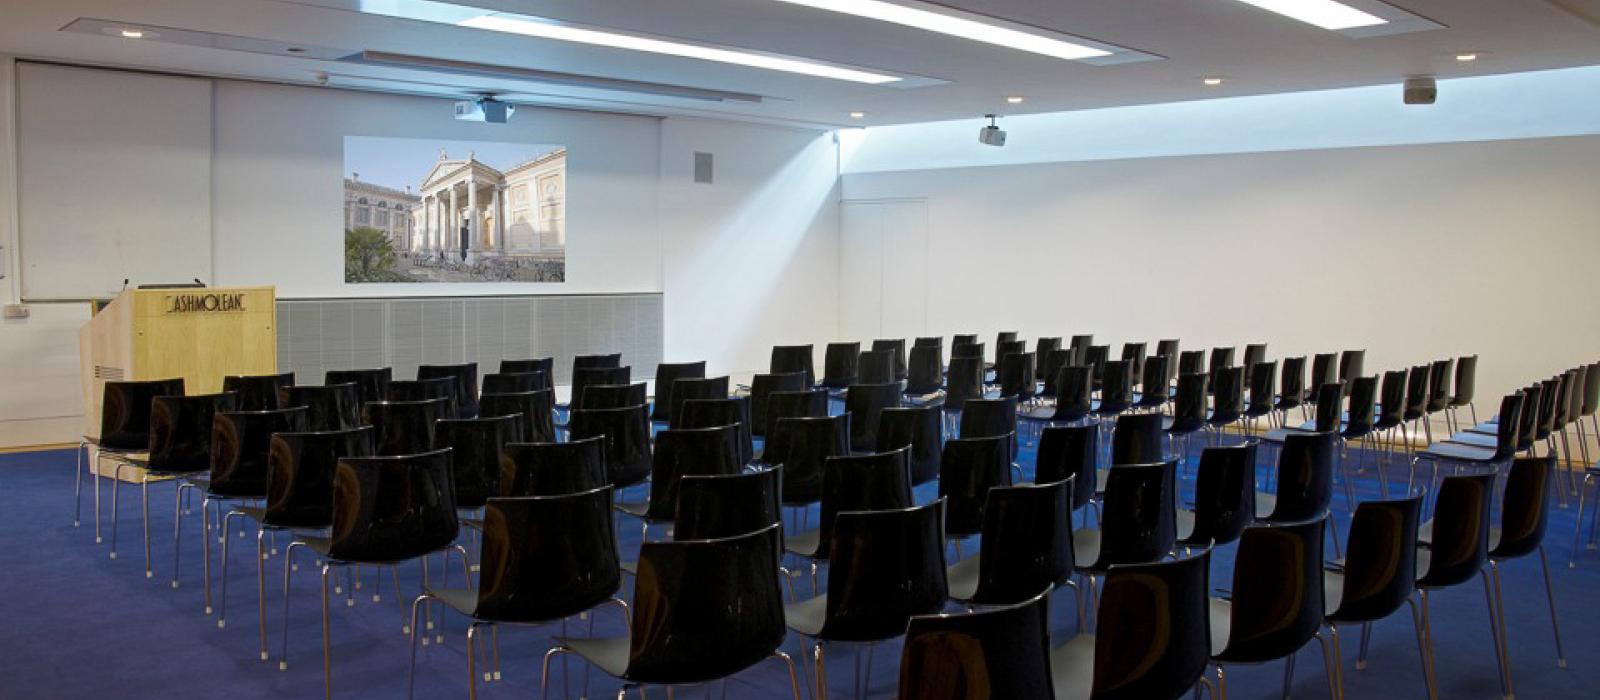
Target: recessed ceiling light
{"points": [[1466, 57], [543, 28], [943, 20], [295, 49], [1323, 13], [1014, 99], [1212, 81], [132, 34], [858, 115]]}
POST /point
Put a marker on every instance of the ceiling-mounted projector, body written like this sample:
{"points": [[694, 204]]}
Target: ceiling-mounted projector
{"points": [[991, 135], [485, 109]]}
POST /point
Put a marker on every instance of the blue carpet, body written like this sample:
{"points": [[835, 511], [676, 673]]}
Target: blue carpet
{"points": [[79, 625]]}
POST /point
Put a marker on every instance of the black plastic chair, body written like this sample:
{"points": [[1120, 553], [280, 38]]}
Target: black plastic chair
{"points": [[1224, 497], [515, 382], [762, 387], [924, 374], [1192, 362], [180, 430], [543, 559], [1389, 416], [1050, 368], [680, 451], [789, 359], [811, 403], [1116, 389], [1170, 348], [627, 440], [864, 402], [1074, 397], [585, 377], [1155, 388], [330, 407], [1042, 349], [1524, 515], [1138, 523], [547, 365], [1152, 640], [1416, 397], [712, 506], [668, 372], [963, 339], [897, 355], [1219, 359], [1466, 386], [876, 367], [1462, 454], [989, 418], [1377, 576], [803, 445], [918, 428], [258, 392], [710, 413], [1137, 439], [442, 388], [536, 410], [1095, 358], [1304, 483], [694, 388], [466, 379], [887, 567], [554, 468], [1439, 374], [840, 365], [853, 482], [703, 610], [1351, 365], [615, 395], [1188, 412], [1276, 605], [969, 468], [1254, 354], [1016, 376], [1080, 345], [386, 511], [1134, 355], [1027, 547], [1263, 392], [963, 382], [1454, 550], [1069, 452], [371, 384], [1324, 370], [608, 361], [1227, 400], [1360, 421], [1001, 652], [403, 427], [477, 456], [1291, 387]]}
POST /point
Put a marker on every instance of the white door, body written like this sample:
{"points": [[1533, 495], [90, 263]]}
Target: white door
{"points": [[883, 269]]}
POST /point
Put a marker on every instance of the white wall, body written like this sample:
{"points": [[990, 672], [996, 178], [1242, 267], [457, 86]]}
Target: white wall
{"points": [[1412, 252]]}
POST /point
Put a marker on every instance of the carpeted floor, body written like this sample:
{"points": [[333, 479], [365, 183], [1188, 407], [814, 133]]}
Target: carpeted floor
{"points": [[77, 624]]}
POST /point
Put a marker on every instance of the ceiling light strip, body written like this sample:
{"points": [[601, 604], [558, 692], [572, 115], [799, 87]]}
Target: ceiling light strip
{"points": [[1322, 13], [943, 20]]}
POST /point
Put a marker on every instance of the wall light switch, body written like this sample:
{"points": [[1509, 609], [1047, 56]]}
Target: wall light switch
{"points": [[16, 311]]}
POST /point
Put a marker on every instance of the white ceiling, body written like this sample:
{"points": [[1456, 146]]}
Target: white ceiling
{"points": [[1258, 52]]}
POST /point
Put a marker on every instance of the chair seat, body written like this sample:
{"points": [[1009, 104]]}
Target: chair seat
{"points": [[1086, 548], [1474, 439], [1221, 613], [319, 544], [609, 655], [252, 512], [474, 523], [1282, 434], [1266, 503], [962, 579], [803, 543], [1457, 452], [630, 567], [1333, 595], [807, 616], [636, 509], [461, 600], [1072, 668], [1185, 525]]}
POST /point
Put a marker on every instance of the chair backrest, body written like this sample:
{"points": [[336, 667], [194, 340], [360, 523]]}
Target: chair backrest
{"points": [[1042, 348], [973, 349], [1139, 522], [627, 440], [554, 468], [1227, 390], [538, 364], [1153, 630], [403, 427], [258, 392], [762, 387], [1550, 395], [1591, 390], [1576, 378], [1254, 354], [711, 506], [999, 652], [1154, 386], [536, 410], [1224, 494], [803, 445], [240, 443], [125, 411], [1525, 506], [864, 402], [963, 339], [1528, 422], [609, 361], [1137, 439], [1380, 562], [1329, 407], [963, 382], [1001, 339], [710, 413], [300, 470], [1510, 422], [1191, 362], [1305, 478], [840, 365], [180, 431], [920, 428], [465, 376], [1027, 542], [1391, 400], [680, 451], [1362, 408], [925, 370], [885, 566], [1466, 380], [1017, 375], [586, 377], [808, 403], [897, 355], [931, 341], [1080, 345], [880, 481], [1170, 348], [1074, 392], [547, 557], [1068, 452], [1324, 370], [1263, 387], [875, 367], [688, 388], [789, 359], [1292, 382], [1439, 384], [615, 395], [705, 609], [330, 407], [1095, 357], [390, 509], [1352, 364], [990, 417], [970, 467], [1134, 355], [669, 372], [477, 456], [1116, 387], [1417, 392], [1189, 406], [1459, 548], [425, 389], [514, 382], [1277, 593], [1220, 359], [371, 384]]}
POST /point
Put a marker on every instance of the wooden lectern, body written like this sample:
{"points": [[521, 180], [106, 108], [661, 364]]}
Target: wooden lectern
{"points": [[200, 334]]}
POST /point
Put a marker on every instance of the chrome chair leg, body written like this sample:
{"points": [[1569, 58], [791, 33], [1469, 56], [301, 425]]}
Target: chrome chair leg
{"points": [[144, 509], [794, 678], [327, 642], [205, 551], [1550, 596], [261, 591], [821, 666], [77, 485], [1366, 641], [1288, 675], [1577, 528], [411, 672], [1425, 645], [1496, 630], [116, 480], [222, 592], [94, 468], [1329, 666], [1337, 669]]}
